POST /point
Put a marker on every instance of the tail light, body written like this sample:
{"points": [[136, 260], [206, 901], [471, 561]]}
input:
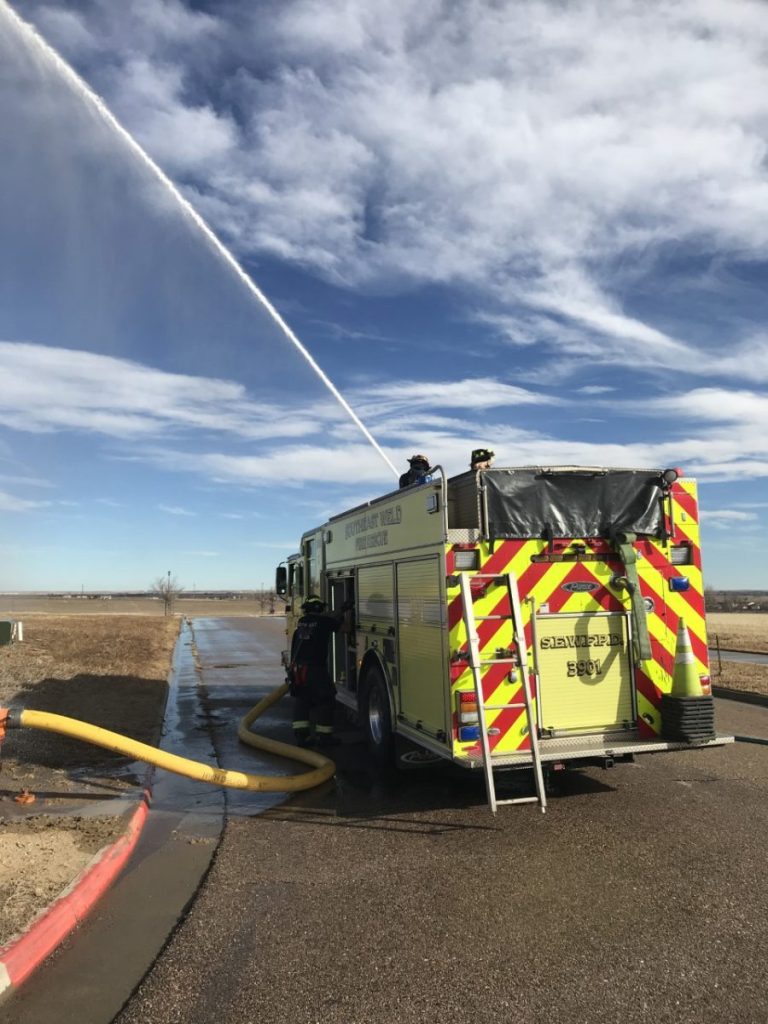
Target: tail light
{"points": [[466, 708], [468, 732], [706, 685]]}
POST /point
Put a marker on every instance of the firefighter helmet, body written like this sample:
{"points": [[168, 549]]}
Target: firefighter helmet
{"points": [[419, 460], [313, 604], [481, 455]]}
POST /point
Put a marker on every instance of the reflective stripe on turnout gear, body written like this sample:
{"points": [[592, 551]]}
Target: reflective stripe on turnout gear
{"points": [[298, 725], [327, 729]]}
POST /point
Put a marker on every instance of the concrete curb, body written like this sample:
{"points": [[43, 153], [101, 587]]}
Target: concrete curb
{"points": [[744, 696], [23, 954]]}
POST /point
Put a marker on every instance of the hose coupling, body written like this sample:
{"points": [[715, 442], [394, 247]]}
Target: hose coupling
{"points": [[10, 718]]}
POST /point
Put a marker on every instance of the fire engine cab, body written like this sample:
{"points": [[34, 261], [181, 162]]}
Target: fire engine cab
{"points": [[518, 616]]}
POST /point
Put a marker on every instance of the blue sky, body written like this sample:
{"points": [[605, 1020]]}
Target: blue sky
{"points": [[528, 226]]}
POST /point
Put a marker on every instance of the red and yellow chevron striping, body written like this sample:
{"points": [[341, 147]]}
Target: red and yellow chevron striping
{"points": [[570, 582]]}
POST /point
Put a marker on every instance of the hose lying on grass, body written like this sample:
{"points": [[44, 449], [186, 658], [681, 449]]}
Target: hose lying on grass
{"points": [[323, 767]]}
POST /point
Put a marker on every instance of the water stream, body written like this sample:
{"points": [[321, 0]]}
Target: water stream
{"points": [[55, 60]]}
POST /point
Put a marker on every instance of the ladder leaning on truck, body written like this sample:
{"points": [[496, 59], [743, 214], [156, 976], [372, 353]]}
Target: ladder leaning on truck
{"points": [[519, 617]]}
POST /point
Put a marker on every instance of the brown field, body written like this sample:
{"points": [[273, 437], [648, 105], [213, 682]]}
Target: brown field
{"points": [[738, 631], [108, 670], [736, 675], [15, 605], [112, 671]]}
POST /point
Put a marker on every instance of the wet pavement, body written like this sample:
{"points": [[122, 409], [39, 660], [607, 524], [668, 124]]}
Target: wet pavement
{"points": [[641, 893], [752, 658], [221, 669]]}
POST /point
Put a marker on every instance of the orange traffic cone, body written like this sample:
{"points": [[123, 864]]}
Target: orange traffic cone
{"points": [[685, 677]]}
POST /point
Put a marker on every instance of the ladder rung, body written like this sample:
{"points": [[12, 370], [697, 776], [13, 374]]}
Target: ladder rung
{"points": [[468, 596]]}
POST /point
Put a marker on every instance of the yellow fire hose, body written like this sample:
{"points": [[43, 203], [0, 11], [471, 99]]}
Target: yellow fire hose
{"points": [[323, 767]]}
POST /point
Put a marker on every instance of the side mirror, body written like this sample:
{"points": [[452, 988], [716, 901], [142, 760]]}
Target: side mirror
{"points": [[281, 580]]}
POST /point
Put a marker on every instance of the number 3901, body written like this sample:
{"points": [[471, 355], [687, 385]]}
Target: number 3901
{"points": [[585, 668]]}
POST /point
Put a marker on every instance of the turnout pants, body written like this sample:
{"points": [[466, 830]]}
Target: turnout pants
{"points": [[313, 704]]}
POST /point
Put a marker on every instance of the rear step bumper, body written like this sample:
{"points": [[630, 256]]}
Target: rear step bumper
{"points": [[583, 748]]}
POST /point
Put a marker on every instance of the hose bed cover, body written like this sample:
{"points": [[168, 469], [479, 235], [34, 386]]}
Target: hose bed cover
{"points": [[536, 502]]}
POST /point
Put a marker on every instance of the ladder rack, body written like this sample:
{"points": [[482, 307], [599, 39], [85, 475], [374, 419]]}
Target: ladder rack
{"points": [[477, 665]]}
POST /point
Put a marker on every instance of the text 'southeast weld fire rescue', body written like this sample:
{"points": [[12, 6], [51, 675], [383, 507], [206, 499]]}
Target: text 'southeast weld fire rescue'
{"points": [[517, 617]]}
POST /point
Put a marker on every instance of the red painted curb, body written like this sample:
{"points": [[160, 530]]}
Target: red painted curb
{"points": [[20, 957]]}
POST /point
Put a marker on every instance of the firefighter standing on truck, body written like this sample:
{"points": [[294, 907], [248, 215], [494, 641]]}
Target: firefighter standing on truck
{"points": [[310, 682]]}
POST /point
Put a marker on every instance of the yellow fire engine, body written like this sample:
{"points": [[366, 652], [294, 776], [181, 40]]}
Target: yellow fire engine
{"points": [[531, 616]]}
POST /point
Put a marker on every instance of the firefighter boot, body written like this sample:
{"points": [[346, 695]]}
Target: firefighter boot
{"points": [[301, 732], [324, 736]]}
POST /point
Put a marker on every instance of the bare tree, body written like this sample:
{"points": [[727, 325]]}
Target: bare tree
{"points": [[167, 588]]}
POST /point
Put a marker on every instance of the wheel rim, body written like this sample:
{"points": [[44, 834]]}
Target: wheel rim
{"points": [[375, 716]]}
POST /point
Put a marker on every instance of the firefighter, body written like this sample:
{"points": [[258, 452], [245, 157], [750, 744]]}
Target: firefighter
{"points": [[310, 683], [418, 473], [482, 458]]}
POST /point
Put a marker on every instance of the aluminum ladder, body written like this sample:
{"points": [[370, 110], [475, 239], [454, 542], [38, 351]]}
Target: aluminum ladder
{"points": [[477, 664]]}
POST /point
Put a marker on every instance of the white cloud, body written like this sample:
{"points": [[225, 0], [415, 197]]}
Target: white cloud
{"points": [[538, 160], [727, 516], [47, 389], [723, 519], [521, 155], [477, 393], [24, 481], [176, 510], [11, 503], [181, 137], [200, 425]]}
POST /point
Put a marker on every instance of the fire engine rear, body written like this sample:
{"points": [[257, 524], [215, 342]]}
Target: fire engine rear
{"points": [[516, 616]]}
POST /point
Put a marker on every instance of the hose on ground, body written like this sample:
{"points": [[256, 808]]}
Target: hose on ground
{"points": [[322, 767]]}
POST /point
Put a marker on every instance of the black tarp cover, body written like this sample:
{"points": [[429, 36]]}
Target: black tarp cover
{"points": [[572, 503]]}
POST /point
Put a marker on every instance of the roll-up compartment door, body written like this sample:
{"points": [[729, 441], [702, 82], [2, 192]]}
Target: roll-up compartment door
{"points": [[420, 629]]}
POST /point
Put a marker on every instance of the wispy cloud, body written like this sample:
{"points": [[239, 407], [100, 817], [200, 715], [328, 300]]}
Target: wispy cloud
{"points": [[531, 157], [175, 510], [24, 481], [11, 503], [48, 389], [199, 425], [722, 519]]}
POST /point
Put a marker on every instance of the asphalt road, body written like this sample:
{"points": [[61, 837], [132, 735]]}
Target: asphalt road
{"points": [[641, 895]]}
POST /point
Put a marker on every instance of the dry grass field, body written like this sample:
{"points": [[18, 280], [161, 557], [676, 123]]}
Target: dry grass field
{"points": [[737, 675], [108, 670], [13, 606], [738, 631]]}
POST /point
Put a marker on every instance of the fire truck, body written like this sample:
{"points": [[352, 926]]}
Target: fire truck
{"points": [[535, 616]]}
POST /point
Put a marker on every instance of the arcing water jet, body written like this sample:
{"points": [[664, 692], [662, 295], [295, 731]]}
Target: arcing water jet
{"points": [[30, 34]]}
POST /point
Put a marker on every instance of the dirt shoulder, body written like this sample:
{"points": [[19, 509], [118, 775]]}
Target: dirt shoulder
{"points": [[110, 671], [736, 675], [738, 631]]}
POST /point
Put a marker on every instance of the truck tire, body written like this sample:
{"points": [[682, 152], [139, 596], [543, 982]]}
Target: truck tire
{"points": [[377, 721]]}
